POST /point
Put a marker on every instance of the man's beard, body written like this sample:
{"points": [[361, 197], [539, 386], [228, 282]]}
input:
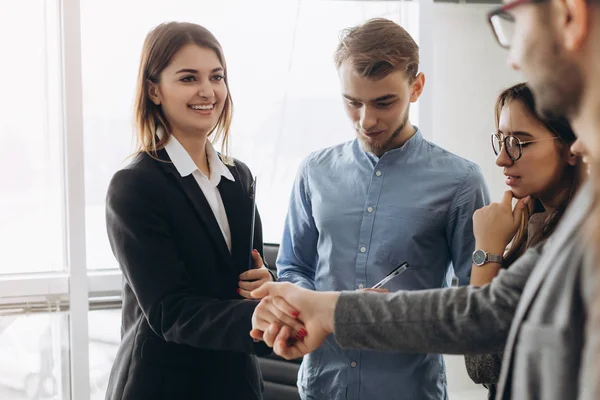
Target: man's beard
{"points": [[380, 149], [557, 83], [559, 92]]}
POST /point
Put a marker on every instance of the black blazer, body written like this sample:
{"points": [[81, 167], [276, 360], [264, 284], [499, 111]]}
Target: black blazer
{"points": [[185, 329]]}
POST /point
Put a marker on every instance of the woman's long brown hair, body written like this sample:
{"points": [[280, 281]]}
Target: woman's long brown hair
{"points": [[560, 128], [161, 44]]}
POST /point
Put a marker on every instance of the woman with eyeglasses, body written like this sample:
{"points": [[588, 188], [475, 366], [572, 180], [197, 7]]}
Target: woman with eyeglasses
{"points": [[534, 153]]}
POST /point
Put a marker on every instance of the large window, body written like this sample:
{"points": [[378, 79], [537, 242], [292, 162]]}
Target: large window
{"points": [[35, 358], [104, 339], [31, 216], [66, 127]]}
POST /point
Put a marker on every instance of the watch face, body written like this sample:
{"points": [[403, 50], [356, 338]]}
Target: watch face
{"points": [[479, 257]]}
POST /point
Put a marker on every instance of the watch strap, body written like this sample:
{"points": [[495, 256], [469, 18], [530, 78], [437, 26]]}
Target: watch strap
{"points": [[494, 258]]}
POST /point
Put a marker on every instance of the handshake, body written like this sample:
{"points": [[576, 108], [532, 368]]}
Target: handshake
{"points": [[292, 320], [295, 321]]}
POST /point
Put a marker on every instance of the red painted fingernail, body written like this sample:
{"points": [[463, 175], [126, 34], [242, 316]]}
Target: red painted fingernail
{"points": [[255, 251], [295, 314], [239, 290], [303, 332]]}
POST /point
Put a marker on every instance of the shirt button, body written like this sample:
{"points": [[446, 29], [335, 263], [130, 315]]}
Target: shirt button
{"points": [[378, 173], [353, 364], [361, 286], [370, 209], [363, 249]]}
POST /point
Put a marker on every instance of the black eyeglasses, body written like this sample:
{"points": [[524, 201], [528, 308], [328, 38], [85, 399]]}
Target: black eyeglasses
{"points": [[512, 145], [503, 22]]}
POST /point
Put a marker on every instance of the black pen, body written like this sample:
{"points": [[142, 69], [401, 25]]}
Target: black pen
{"points": [[252, 220], [394, 273]]}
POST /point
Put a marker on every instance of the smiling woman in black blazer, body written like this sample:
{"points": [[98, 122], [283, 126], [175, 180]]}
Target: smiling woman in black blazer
{"points": [[179, 221]]}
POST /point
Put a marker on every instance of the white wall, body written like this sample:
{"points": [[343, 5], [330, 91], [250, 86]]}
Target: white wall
{"points": [[469, 70]]}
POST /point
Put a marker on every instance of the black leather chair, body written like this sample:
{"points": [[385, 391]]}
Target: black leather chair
{"points": [[279, 375]]}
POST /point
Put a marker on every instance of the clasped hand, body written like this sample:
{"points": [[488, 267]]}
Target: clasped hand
{"points": [[292, 320]]}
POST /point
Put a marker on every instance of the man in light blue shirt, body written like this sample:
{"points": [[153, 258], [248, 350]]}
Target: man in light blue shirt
{"points": [[361, 208]]}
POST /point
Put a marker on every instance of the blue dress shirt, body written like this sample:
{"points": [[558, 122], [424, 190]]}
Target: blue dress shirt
{"points": [[353, 217]]}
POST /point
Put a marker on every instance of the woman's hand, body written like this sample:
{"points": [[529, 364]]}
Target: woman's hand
{"points": [[254, 278], [277, 312], [314, 309], [495, 225]]}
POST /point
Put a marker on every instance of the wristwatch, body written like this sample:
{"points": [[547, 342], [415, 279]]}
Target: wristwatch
{"points": [[481, 257]]}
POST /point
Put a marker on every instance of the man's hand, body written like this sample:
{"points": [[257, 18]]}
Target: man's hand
{"points": [[373, 290]]}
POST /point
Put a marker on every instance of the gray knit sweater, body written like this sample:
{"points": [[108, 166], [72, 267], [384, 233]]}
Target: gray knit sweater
{"points": [[485, 368]]}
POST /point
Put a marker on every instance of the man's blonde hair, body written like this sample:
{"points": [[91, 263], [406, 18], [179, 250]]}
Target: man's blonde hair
{"points": [[377, 48]]}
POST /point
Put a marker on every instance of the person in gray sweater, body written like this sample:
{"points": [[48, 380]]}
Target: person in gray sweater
{"points": [[534, 153], [545, 310]]}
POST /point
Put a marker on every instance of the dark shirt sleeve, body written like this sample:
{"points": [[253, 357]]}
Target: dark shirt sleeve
{"points": [[175, 309]]}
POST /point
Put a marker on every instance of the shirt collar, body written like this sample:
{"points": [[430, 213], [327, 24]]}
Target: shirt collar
{"points": [[411, 143], [186, 166]]}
